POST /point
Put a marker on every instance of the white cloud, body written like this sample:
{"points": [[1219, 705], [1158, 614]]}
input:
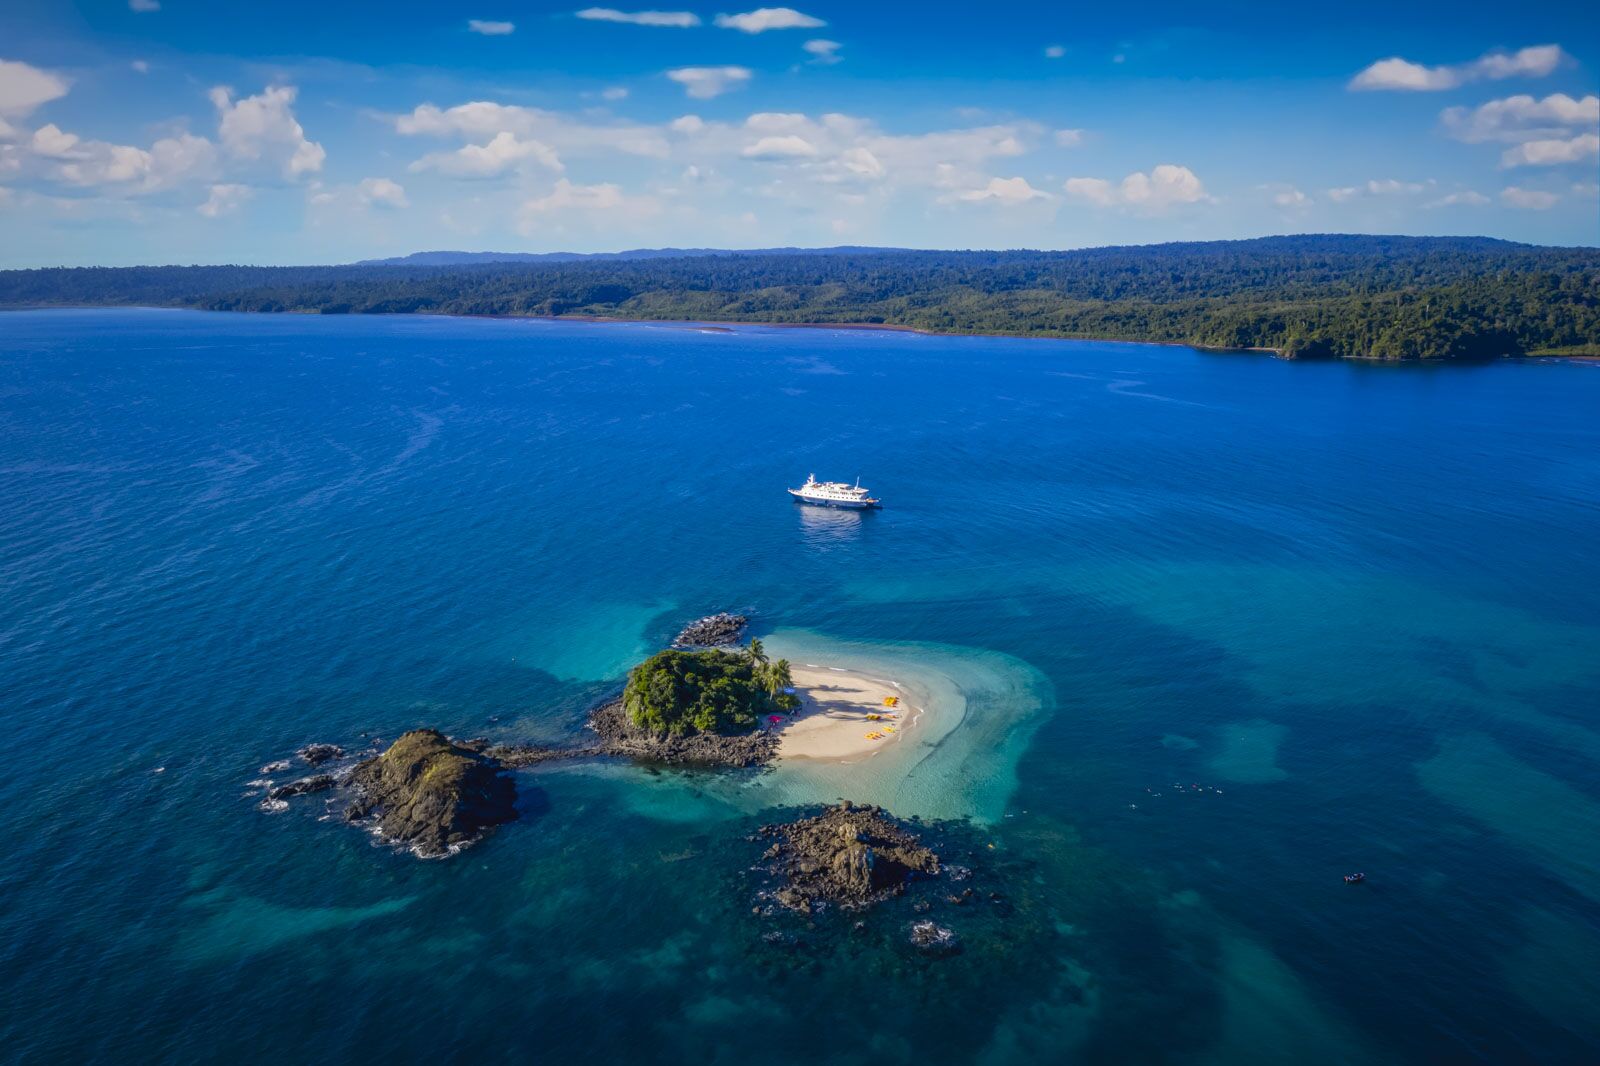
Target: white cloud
{"points": [[490, 28], [1465, 198], [140, 66], [769, 18], [1069, 138], [1291, 198], [823, 51], [381, 192], [503, 153], [702, 83], [225, 200], [67, 158], [1398, 73], [603, 205], [24, 87], [1552, 152], [1005, 191], [1163, 187], [264, 127], [144, 5], [1054, 51], [1521, 118], [614, 93], [678, 19], [790, 147], [482, 120], [1376, 187], [1528, 199]]}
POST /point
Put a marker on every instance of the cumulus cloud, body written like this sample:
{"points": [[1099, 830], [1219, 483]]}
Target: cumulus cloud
{"points": [[614, 93], [1164, 186], [678, 19], [69, 159], [491, 29], [823, 51], [1528, 199], [1552, 152], [702, 83], [381, 192], [503, 153], [225, 200], [1069, 138], [1054, 51], [481, 121], [769, 18], [263, 127], [1008, 192], [1402, 74], [603, 204], [1521, 118], [24, 87], [1290, 198], [790, 147]]}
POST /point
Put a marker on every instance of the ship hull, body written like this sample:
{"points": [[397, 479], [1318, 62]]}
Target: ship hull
{"points": [[843, 505]]}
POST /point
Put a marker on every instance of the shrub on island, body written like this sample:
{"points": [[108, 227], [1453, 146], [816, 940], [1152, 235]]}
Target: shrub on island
{"points": [[712, 691]]}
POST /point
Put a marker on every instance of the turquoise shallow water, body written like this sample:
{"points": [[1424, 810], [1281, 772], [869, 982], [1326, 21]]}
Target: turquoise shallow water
{"points": [[1227, 627]]}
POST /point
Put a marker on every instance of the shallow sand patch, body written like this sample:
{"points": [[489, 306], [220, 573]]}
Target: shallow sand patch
{"points": [[833, 721]]}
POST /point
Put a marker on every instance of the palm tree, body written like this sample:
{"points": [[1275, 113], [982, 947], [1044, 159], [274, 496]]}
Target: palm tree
{"points": [[757, 654], [776, 677]]}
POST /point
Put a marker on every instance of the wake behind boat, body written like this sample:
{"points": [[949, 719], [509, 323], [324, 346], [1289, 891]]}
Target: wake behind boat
{"points": [[834, 494]]}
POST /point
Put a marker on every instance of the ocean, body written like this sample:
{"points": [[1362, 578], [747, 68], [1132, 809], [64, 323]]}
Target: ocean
{"points": [[1225, 629]]}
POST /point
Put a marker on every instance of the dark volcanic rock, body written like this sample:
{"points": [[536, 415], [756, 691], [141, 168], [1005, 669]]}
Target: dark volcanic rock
{"points": [[852, 856], [431, 793], [302, 787], [316, 754], [713, 631], [933, 938], [619, 736]]}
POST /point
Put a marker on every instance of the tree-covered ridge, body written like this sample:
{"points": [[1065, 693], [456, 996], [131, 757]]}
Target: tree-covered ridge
{"points": [[712, 691], [1337, 296]]}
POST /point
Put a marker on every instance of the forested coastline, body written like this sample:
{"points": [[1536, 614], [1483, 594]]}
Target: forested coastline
{"points": [[1328, 296]]}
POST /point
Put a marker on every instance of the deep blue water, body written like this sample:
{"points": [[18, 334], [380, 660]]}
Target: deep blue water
{"points": [[1357, 606]]}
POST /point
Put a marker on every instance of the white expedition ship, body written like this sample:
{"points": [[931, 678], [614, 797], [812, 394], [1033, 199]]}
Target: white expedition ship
{"points": [[834, 494]]}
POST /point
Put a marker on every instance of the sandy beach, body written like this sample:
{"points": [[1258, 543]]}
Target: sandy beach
{"points": [[832, 723]]}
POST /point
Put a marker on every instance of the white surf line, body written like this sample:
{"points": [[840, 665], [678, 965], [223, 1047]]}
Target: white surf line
{"points": [[814, 666]]}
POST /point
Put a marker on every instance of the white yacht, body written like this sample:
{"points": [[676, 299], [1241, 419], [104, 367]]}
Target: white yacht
{"points": [[834, 494]]}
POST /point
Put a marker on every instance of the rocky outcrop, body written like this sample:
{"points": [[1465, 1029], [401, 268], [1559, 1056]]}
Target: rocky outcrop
{"points": [[431, 793], [620, 737], [303, 787], [848, 855], [317, 754], [712, 631]]}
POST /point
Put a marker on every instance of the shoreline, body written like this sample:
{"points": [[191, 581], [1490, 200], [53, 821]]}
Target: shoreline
{"points": [[725, 325], [844, 716]]}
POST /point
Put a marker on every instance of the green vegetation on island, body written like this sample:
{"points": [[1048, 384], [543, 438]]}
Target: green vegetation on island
{"points": [[1327, 296], [712, 691]]}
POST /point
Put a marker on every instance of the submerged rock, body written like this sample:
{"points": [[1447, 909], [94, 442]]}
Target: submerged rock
{"points": [[432, 793], [278, 767], [848, 855], [933, 938], [317, 754], [302, 787], [712, 631]]}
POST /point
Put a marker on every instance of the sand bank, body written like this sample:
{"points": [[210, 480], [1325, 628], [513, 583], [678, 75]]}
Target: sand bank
{"points": [[835, 704]]}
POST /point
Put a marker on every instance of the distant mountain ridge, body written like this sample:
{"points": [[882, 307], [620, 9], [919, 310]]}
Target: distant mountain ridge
{"points": [[447, 258]]}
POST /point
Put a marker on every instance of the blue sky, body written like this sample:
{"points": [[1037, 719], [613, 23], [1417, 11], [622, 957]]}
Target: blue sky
{"points": [[163, 131]]}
